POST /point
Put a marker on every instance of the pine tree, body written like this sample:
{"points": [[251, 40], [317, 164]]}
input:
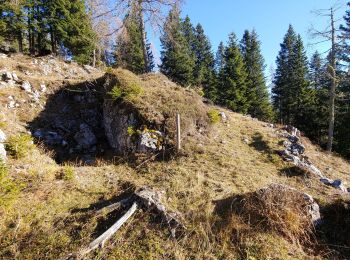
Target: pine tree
{"points": [[319, 83], [12, 23], [345, 35], [204, 71], [80, 40], [258, 95], [282, 93], [151, 65], [304, 96], [177, 62], [129, 53], [232, 87], [293, 98], [219, 57]]}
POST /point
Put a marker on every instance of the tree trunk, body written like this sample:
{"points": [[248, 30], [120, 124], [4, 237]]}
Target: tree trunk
{"points": [[143, 38], [94, 59], [53, 41], [332, 89], [20, 42]]}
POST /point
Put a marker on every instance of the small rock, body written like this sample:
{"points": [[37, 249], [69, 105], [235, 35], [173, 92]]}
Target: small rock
{"points": [[49, 137], [88, 68], [3, 56], [15, 77], [152, 140], [26, 86], [338, 184], [223, 116], [11, 83], [6, 76], [2, 136], [245, 140], [11, 104], [3, 154], [85, 137], [43, 88], [2, 146]]}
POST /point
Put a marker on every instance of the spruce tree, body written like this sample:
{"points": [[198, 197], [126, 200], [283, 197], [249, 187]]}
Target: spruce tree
{"points": [[129, 53], [319, 83], [345, 35], [293, 98], [219, 57], [232, 86], [258, 95], [204, 71], [282, 93], [304, 96], [151, 65], [177, 62]]}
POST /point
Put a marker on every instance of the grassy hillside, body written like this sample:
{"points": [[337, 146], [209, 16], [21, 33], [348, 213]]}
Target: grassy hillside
{"points": [[50, 210]]}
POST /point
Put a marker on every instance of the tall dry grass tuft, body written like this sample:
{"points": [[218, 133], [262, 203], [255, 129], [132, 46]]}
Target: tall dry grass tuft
{"points": [[279, 209]]}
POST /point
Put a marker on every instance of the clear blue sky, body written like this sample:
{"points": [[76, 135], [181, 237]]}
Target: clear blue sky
{"points": [[270, 18]]}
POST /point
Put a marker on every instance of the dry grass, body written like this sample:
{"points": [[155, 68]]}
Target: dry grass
{"points": [[51, 218], [158, 100]]}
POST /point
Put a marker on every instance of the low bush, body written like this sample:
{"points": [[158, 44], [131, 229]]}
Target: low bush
{"points": [[67, 173], [19, 146], [214, 116]]}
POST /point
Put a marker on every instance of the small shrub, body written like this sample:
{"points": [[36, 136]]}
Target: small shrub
{"points": [[214, 116], [131, 131], [128, 92], [67, 173], [19, 146], [115, 93], [109, 70]]}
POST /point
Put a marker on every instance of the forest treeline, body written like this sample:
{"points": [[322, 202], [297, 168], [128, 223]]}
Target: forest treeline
{"points": [[311, 93]]}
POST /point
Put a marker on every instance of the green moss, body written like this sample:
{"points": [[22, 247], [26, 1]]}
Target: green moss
{"points": [[20, 146], [214, 116]]}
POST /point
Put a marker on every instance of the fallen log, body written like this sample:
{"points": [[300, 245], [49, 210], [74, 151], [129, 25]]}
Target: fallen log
{"points": [[99, 242], [114, 206], [143, 198]]}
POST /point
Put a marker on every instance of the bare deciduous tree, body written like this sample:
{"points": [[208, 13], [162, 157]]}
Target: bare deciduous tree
{"points": [[151, 12], [330, 34]]}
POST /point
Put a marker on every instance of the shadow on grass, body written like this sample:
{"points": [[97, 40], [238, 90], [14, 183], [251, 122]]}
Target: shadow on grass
{"points": [[263, 147], [292, 171]]}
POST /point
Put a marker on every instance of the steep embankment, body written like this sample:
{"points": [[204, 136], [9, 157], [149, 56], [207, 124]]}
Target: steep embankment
{"points": [[50, 210]]}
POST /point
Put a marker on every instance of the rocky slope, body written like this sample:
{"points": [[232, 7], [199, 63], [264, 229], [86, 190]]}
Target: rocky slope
{"points": [[78, 139]]}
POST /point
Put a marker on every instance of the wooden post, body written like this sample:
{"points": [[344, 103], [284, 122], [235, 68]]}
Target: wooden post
{"points": [[178, 132]]}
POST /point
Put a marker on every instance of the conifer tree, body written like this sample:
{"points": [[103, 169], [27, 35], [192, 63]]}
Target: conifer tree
{"points": [[258, 95], [293, 97], [129, 53], [219, 57], [232, 86], [282, 94], [204, 70], [304, 96], [177, 62], [151, 65], [319, 84], [345, 35]]}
